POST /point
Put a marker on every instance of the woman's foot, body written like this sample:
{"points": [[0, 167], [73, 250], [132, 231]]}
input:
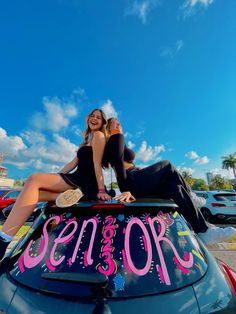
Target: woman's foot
{"points": [[214, 235], [68, 198]]}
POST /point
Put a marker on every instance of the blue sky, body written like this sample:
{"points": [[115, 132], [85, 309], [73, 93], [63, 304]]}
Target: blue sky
{"points": [[165, 68]]}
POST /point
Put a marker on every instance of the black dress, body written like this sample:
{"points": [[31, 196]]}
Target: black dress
{"points": [[84, 176]]}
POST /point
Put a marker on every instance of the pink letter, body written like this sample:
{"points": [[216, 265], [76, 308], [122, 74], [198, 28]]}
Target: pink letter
{"points": [[31, 262], [157, 240], [85, 223], [61, 239], [143, 271]]}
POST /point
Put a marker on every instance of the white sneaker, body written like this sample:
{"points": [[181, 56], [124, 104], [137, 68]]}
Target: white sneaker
{"points": [[215, 235], [198, 201], [68, 198]]}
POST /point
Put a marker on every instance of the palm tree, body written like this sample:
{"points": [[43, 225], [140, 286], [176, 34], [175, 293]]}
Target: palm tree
{"points": [[229, 162], [187, 177]]}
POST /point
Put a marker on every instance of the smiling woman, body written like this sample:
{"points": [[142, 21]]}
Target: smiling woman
{"points": [[87, 179]]}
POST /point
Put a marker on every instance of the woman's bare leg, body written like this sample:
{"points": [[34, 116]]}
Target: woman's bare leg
{"points": [[28, 198], [47, 196]]}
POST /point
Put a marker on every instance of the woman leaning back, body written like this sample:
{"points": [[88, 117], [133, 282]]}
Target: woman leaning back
{"points": [[87, 177], [160, 180]]}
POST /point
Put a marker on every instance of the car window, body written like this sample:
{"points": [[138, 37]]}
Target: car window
{"points": [[225, 197], [140, 253], [12, 194], [2, 192], [201, 194]]}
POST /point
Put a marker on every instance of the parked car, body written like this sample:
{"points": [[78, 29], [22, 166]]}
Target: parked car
{"points": [[8, 196], [220, 205], [37, 211], [98, 257]]}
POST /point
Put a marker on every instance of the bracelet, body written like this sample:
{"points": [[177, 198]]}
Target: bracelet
{"points": [[101, 190]]}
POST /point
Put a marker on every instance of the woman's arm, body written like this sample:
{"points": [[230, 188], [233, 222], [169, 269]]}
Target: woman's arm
{"points": [[98, 144], [70, 166]]}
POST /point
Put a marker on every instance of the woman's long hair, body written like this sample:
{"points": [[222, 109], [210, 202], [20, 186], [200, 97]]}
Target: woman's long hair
{"points": [[87, 132]]}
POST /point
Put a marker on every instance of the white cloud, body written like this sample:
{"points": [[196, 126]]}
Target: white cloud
{"points": [[171, 52], [37, 164], [19, 164], [227, 174], [205, 3], [191, 155], [198, 160], [10, 144], [141, 9], [77, 131], [51, 168], [42, 154], [33, 137], [179, 45], [147, 153], [202, 160], [127, 134], [130, 144], [190, 7], [141, 131], [57, 115], [60, 150], [187, 169], [109, 109], [79, 91]]}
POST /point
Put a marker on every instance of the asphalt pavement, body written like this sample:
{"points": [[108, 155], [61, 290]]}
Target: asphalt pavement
{"points": [[225, 251]]}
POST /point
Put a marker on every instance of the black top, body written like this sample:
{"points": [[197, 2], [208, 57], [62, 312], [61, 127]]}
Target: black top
{"points": [[84, 176], [129, 155], [116, 152]]}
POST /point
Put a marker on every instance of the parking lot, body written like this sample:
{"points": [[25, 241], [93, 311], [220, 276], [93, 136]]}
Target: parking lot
{"points": [[226, 251]]}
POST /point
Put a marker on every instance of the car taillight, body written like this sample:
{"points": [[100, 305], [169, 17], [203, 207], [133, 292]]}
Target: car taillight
{"points": [[230, 275], [218, 205]]}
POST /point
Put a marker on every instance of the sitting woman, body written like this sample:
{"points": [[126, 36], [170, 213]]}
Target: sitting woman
{"points": [[45, 187], [160, 180]]}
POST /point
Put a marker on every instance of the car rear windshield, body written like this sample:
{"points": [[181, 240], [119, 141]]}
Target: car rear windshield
{"points": [[2, 192], [225, 197], [122, 252]]}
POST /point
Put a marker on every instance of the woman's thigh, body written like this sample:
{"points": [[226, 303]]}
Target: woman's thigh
{"points": [[48, 181]]}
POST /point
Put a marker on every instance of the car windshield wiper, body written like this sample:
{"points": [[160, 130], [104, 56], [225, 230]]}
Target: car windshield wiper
{"points": [[90, 279]]}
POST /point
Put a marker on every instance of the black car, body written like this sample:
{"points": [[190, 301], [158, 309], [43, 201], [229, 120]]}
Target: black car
{"points": [[97, 257]]}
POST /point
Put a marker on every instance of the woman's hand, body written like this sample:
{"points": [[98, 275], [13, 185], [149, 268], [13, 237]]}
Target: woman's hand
{"points": [[103, 196], [125, 197]]}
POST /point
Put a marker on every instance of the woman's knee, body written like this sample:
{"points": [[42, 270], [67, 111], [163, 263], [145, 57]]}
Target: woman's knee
{"points": [[33, 178]]}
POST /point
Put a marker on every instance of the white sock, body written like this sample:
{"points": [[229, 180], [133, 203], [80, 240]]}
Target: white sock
{"points": [[5, 237]]}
